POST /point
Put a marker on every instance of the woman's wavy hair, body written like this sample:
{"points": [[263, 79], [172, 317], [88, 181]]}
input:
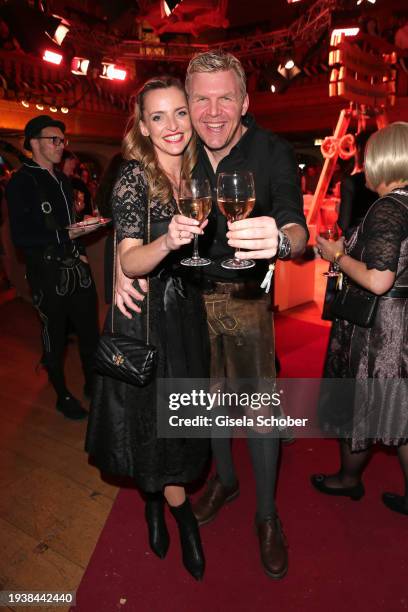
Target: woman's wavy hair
{"points": [[139, 147]]}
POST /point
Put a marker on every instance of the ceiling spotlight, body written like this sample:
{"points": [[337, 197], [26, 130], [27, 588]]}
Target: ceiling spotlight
{"points": [[277, 83], [112, 72], [52, 57], [279, 87], [57, 29], [25, 103], [79, 65], [361, 1], [288, 69], [39, 106], [64, 110], [53, 109], [338, 32], [346, 31], [168, 6]]}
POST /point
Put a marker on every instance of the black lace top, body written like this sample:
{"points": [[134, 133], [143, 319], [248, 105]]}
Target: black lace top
{"points": [[382, 232], [129, 203]]}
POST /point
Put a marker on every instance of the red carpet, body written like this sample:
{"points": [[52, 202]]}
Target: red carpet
{"points": [[344, 555]]}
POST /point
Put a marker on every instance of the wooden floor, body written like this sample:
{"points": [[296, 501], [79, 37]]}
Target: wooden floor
{"points": [[53, 504]]}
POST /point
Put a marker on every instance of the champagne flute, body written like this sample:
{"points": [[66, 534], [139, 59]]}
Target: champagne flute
{"points": [[236, 200], [195, 202], [79, 204], [330, 231]]}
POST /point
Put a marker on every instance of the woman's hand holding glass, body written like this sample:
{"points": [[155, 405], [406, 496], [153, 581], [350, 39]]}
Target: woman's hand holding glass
{"points": [[182, 230], [328, 249], [195, 202]]}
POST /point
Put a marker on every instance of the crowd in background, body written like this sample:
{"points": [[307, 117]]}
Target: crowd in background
{"points": [[84, 179]]}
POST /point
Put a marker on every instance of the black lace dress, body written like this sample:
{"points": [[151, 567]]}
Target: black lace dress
{"points": [[121, 436], [379, 352]]}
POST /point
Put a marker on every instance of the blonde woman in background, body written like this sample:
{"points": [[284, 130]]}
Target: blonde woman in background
{"points": [[375, 259]]}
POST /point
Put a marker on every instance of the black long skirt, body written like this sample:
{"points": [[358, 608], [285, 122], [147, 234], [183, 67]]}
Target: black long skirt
{"points": [[121, 437]]}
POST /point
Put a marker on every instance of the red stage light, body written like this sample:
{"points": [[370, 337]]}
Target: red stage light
{"points": [[168, 6], [79, 65], [337, 33], [57, 28], [52, 57], [112, 72]]}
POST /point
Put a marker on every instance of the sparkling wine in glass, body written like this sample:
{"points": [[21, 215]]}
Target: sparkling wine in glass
{"points": [[330, 231], [236, 200], [195, 202]]}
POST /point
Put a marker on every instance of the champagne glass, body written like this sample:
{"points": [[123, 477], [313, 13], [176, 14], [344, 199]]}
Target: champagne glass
{"points": [[195, 202], [236, 200], [79, 204], [330, 231]]}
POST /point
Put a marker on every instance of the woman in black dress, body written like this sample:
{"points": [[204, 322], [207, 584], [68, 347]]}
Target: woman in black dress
{"points": [[376, 259], [121, 437]]}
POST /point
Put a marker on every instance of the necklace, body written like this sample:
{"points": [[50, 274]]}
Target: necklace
{"points": [[175, 183]]}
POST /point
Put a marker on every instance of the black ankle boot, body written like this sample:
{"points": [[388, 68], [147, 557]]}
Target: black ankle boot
{"points": [[158, 535], [193, 556], [396, 503]]}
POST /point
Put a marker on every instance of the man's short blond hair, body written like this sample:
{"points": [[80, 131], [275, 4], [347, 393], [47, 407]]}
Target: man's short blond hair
{"points": [[386, 156], [216, 61]]}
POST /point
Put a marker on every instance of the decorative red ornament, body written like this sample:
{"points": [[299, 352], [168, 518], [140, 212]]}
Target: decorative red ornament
{"points": [[347, 146], [329, 147], [344, 147]]}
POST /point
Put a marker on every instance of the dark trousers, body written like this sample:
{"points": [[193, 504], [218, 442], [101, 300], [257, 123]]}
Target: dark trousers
{"points": [[241, 332], [60, 296]]}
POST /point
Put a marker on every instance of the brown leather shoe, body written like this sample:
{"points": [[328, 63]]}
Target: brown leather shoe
{"points": [[216, 495], [273, 547]]}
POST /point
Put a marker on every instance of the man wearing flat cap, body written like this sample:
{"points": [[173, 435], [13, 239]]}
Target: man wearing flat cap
{"points": [[40, 201]]}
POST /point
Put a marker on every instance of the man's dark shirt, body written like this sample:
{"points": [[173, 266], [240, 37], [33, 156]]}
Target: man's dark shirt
{"points": [[25, 193], [278, 195]]}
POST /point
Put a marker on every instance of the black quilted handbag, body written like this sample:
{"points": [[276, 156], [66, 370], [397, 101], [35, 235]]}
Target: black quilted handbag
{"points": [[358, 305], [125, 358], [355, 304]]}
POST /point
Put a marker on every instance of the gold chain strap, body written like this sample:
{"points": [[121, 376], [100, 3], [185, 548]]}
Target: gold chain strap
{"points": [[148, 279]]}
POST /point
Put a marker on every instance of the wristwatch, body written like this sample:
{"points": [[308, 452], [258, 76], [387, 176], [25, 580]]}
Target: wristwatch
{"points": [[284, 247]]}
